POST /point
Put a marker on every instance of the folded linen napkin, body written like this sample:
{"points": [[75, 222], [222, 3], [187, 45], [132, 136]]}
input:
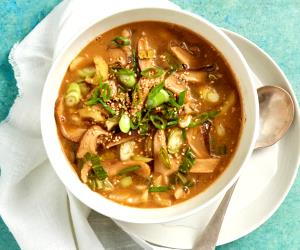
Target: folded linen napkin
{"points": [[34, 204]]}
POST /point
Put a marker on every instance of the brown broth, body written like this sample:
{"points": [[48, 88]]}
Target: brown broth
{"points": [[222, 80]]}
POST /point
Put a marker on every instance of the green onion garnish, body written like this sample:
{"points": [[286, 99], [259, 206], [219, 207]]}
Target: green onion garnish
{"points": [[126, 77], [158, 122], [172, 123], [200, 119], [152, 72], [161, 97], [96, 165], [129, 169], [120, 41], [187, 161], [163, 154], [159, 189], [181, 98]]}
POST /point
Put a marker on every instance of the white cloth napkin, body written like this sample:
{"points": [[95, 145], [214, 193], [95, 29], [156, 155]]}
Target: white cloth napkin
{"points": [[33, 202]]}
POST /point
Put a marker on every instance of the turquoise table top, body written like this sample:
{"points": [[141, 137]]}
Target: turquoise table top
{"points": [[272, 25]]}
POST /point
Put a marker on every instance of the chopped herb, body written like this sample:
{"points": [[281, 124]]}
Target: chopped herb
{"points": [[96, 165], [99, 172], [187, 161], [158, 122], [200, 119], [159, 189], [129, 169], [221, 150], [105, 92], [106, 106], [163, 154], [120, 41], [152, 72], [183, 180], [189, 184], [134, 61], [96, 99], [181, 98], [172, 123]]}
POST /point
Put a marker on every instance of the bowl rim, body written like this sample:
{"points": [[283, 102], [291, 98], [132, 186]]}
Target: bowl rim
{"points": [[80, 192]]}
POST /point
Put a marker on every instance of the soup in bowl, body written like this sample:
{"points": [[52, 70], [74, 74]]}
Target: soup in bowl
{"points": [[150, 114]]}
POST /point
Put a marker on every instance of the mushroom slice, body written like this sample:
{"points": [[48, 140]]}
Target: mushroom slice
{"points": [[113, 167], [146, 54], [193, 76], [196, 142], [117, 55], [88, 143], [175, 84], [159, 142], [205, 165], [186, 57], [120, 138], [69, 131]]}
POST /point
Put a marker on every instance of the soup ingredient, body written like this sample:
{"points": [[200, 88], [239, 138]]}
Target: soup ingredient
{"points": [[101, 68], [127, 77], [185, 121], [175, 141], [185, 57], [161, 97], [187, 162], [126, 181], [114, 167], [88, 143], [196, 142], [120, 41], [124, 123], [127, 150], [209, 94], [87, 72], [159, 189], [205, 165], [73, 94], [95, 113]]}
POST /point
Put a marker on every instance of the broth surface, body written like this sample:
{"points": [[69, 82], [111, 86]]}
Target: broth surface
{"points": [[176, 94]]}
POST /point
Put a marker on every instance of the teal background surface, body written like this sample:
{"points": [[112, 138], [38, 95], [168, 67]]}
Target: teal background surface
{"points": [[272, 25]]}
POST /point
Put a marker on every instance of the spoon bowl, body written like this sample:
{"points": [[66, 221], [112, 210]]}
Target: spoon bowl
{"points": [[276, 114]]}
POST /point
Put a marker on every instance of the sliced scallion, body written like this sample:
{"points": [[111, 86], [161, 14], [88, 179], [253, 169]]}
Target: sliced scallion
{"points": [[124, 123], [152, 72], [158, 189], [175, 141], [129, 169], [163, 154], [161, 97], [158, 122], [127, 77], [120, 41]]}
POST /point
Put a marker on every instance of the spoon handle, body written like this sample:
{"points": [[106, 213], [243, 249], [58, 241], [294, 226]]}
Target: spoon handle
{"points": [[208, 239]]}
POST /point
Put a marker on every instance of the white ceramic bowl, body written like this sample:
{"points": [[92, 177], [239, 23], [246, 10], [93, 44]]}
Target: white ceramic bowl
{"points": [[157, 215]]}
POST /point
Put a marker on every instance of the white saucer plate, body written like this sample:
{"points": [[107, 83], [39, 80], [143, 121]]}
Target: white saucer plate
{"points": [[263, 185]]}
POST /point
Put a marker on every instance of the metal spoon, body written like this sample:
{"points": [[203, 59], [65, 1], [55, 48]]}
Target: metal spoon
{"points": [[276, 114]]}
